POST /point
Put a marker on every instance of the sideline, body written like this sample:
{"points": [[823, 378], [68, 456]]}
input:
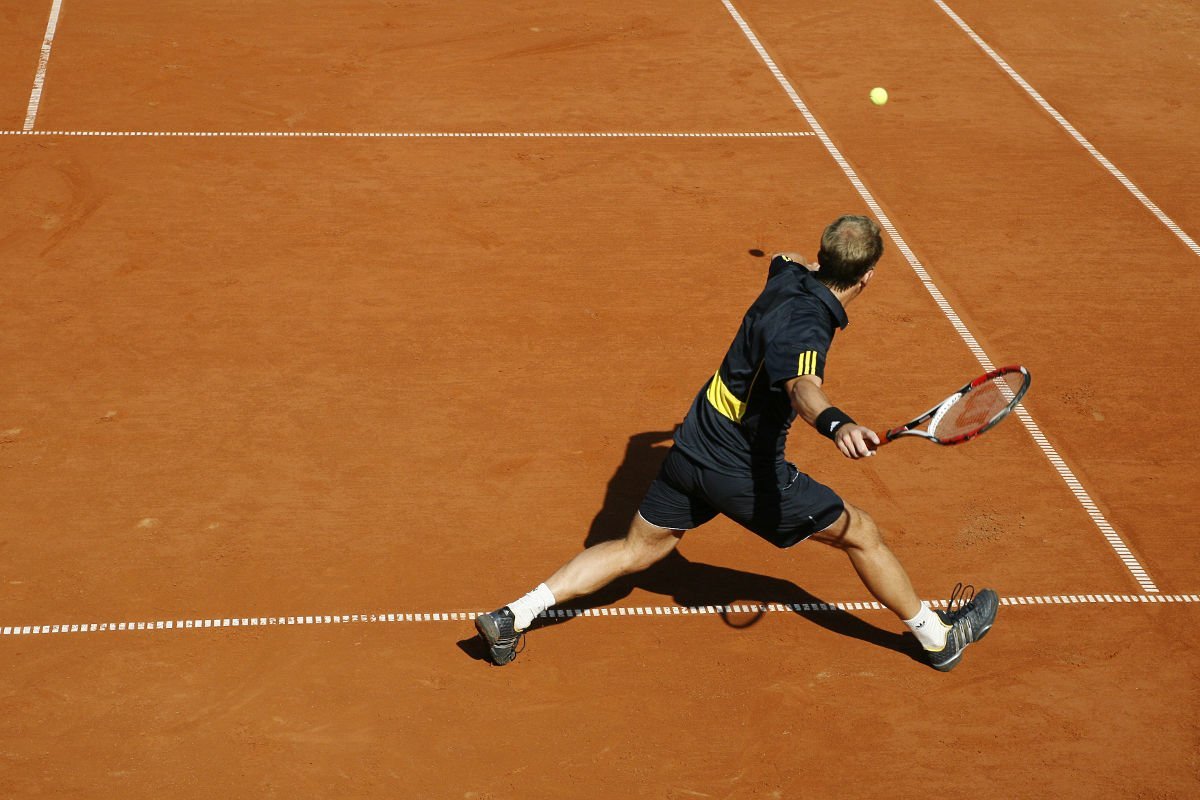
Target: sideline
{"points": [[39, 78]]}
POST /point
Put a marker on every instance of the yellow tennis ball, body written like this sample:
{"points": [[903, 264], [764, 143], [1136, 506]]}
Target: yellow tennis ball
{"points": [[879, 95]]}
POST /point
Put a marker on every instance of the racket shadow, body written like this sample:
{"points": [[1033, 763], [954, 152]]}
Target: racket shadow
{"points": [[691, 583]]}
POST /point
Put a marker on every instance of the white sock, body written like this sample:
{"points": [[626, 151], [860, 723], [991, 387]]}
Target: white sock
{"points": [[928, 628], [529, 606]]}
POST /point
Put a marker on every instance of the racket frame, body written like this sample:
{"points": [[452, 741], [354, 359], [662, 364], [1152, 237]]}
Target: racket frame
{"points": [[909, 429]]}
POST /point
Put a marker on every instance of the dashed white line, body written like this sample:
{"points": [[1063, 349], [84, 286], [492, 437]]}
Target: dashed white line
{"points": [[39, 78], [191, 624], [416, 134], [1110, 535], [1069, 128]]}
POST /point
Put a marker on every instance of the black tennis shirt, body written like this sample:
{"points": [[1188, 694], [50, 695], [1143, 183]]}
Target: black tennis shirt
{"points": [[739, 421]]}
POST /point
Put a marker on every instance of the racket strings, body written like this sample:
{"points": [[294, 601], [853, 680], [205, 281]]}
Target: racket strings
{"points": [[980, 406]]}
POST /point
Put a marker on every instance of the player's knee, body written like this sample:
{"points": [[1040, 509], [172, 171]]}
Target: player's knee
{"points": [[864, 533], [640, 554], [646, 544], [855, 530]]}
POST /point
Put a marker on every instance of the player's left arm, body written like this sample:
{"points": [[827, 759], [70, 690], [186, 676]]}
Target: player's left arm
{"points": [[810, 402]]}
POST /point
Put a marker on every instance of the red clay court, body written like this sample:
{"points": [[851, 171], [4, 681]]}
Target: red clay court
{"points": [[328, 325]]}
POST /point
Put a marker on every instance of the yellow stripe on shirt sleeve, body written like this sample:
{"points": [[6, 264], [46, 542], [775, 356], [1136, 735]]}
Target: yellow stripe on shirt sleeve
{"points": [[808, 363]]}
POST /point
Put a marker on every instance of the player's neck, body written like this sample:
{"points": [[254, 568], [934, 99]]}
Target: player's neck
{"points": [[844, 296]]}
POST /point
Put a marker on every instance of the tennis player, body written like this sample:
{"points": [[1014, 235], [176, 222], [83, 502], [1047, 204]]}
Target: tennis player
{"points": [[728, 458]]}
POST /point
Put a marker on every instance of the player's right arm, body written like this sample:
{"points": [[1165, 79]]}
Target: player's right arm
{"points": [[810, 401]]}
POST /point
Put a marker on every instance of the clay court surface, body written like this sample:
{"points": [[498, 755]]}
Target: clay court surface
{"points": [[279, 414]]}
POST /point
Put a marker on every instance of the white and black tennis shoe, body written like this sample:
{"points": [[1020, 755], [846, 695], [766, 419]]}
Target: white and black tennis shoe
{"points": [[499, 632], [969, 617]]}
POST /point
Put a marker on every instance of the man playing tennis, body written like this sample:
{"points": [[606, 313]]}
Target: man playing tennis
{"points": [[728, 458]]}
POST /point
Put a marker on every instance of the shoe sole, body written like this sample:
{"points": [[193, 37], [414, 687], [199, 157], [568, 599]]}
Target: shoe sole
{"points": [[487, 629], [489, 632]]}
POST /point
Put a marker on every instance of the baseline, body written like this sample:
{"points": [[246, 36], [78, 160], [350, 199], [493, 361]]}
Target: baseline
{"points": [[1070, 129], [417, 134], [1085, 500], [567, 613]]}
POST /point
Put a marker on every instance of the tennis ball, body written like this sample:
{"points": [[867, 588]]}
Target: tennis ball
{"points": [[879, 95]]}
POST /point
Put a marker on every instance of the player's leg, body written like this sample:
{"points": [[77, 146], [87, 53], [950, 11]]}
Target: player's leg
{"points": [[857, 535], [943, 635], [667, 510], [593, 569]]}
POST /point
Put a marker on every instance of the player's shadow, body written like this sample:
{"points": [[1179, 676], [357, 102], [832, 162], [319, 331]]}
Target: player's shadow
{"points": [[691, 583]]}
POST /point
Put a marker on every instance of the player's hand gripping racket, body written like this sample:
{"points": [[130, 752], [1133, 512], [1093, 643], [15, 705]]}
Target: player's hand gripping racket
{"points": [[972, 410]]}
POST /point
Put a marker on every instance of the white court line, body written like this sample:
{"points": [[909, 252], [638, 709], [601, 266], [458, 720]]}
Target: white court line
{"points": [[39, 78], [418, 134], [1069, 128], [1060, 466], [188, 624]]}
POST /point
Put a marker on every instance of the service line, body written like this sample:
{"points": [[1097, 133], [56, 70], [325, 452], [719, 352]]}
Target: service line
{"points": [[191, 624], [418, 134], [39, 78], [1171, 225], [1056, 461]]}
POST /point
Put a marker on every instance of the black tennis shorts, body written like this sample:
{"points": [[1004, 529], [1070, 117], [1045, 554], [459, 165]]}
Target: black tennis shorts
{"points": [[784, 509]]}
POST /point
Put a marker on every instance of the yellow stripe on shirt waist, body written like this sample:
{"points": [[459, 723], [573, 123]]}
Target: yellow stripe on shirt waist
{"points": [[724, 401]]}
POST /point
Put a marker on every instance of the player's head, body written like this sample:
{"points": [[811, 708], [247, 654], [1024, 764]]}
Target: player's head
{"points": [[850, 248]]}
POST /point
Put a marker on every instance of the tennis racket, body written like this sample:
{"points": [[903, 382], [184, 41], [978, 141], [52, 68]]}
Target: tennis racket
{"points": [[974, 409]]}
